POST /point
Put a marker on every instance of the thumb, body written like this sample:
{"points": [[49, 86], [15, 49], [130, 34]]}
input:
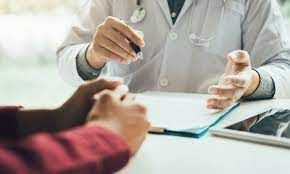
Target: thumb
{"points": [[95, 86], [239, 57], [239, 60]]}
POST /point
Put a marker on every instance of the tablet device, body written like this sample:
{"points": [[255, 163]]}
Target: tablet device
{"points": [[270, 128]]}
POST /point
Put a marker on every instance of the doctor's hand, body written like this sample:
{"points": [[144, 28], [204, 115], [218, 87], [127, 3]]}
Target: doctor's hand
{"points": [[121, 115], [238, 80], [111, 43]]}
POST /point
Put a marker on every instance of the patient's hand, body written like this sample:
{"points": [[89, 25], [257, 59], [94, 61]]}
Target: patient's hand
{"points": [[78, 106], [237, 81], [121, 115]]}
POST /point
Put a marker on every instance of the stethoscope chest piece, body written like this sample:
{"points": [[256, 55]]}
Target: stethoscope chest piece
{"points": [[138, 15], [198, 41]]}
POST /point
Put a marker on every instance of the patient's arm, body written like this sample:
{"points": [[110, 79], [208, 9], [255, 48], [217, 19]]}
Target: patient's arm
{"points": [[16, 122], [88, 149]]}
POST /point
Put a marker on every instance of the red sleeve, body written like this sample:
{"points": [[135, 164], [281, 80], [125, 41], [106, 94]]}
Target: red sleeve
{"points": [[8, 121], [81, 150]]}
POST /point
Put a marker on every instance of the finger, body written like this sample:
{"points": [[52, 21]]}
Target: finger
{"points": [[239, 57], [129, 98], [91, 115], [219, 102], [107, 98], [121, 91], [137, 145], [108, 54], [223, 91], [96, 86], [120, 40], [238, 60], [126, 30], [148, 125], [236, 80], [116, 49], [139, 108]]}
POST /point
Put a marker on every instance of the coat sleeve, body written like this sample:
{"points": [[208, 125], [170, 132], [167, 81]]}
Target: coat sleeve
{"points": [[266, 38], [81, 150], [80, 34]]}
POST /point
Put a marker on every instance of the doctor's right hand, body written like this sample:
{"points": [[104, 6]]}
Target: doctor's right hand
{"points": [[111, 43]]}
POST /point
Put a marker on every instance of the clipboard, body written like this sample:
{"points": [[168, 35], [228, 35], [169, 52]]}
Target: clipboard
{"points": [[157, 105]]}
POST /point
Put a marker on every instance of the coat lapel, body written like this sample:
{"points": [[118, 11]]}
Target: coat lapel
{"points": [[184, 9], [165, 8]]}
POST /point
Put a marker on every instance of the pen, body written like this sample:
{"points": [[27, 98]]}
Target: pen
{"points": [[136, 48], [157, 130]]}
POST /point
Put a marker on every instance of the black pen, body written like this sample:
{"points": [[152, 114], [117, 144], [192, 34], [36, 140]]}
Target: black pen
{"points": [[136, 48]]}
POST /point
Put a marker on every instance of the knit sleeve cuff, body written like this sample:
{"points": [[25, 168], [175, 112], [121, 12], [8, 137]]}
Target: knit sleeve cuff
{"points": [[86, 71], [266, 88]]}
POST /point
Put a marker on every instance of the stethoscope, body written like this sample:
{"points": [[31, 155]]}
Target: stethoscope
{"points": [[140, 13]]}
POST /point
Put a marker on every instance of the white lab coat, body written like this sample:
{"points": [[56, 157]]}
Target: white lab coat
{"points": [[171, 62]]}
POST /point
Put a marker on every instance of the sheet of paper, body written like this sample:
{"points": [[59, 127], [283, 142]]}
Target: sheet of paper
{"points": [[178, 114]]}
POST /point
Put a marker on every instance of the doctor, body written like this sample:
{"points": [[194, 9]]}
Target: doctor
{"points": [[190, 47]]}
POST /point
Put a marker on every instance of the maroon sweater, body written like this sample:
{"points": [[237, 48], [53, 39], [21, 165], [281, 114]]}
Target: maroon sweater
{"points": [[80, 150]]}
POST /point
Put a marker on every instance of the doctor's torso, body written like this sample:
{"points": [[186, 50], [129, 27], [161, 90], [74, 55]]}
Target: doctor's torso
{"points": [[171, 61]]}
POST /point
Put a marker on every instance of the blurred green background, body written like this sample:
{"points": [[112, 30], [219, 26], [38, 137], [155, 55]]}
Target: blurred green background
{"points": [[30, 31]]}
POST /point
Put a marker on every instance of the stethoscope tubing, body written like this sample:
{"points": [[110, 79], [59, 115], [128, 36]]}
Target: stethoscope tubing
{"points": [[198, 39], [194, 38]]}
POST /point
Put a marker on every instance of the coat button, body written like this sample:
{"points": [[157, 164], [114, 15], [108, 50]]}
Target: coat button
{"points": [[164, 82], [173, 14], [173, 36]]}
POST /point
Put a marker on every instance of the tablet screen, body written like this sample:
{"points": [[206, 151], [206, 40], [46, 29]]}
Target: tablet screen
{"points": [[273, 123]]}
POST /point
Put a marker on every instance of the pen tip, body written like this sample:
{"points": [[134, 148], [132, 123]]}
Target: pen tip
{"points": [[140, 55]]}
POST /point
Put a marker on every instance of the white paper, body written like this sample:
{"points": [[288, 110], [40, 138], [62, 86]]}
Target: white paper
{"points": [[179, 114]]}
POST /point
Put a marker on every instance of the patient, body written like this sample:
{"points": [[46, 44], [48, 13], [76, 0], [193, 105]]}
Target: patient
{"points": [[95, 131]]}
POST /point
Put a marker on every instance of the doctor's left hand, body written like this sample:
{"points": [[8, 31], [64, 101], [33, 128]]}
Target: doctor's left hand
{"points": [[237, 81]]}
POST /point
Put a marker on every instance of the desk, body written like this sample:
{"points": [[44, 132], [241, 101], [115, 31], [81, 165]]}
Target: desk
{"points": [[177, 155]]}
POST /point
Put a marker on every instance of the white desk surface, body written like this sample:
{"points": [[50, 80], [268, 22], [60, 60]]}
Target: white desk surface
{"points": [[162, 154]]}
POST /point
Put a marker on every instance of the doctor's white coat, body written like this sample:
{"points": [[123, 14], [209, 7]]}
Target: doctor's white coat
{"points": [[172, 62]]}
